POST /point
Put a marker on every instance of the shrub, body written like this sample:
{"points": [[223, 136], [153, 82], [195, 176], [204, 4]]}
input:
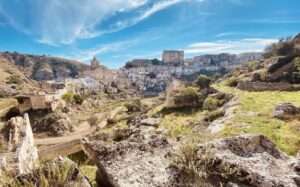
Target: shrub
{"points": [[203, 81], [55, 173], [294, 75], [68, 97], [187, 96], [78, 99], [285, 47], [14, 80], [134, 106], [193, 164], [210, 104], [214, 115], [233, 82], [93, 121]]}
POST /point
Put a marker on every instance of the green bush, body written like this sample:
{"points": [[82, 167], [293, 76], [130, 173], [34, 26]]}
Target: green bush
{"points": [[134, 106], [14, 80], [232, 82], [285, 47], [187, 96], [203, 81], [295, 73], [93, 121], [210, 104], [214, 115], [78, 99], [68, 97]]}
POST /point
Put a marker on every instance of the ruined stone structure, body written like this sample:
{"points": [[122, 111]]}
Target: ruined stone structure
{"points": [[41, 100], [173, 56], [172, 89], [22, 155]]}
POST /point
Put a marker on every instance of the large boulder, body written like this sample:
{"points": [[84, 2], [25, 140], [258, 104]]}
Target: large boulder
{"points": [[151, 122], [246, 160], [286, 111], [140, 161], [55, 123]]}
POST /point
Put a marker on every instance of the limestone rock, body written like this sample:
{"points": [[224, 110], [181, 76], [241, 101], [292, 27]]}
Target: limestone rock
{"points": [[246, 160], [140, 161], [286, 111], [151, 121]]}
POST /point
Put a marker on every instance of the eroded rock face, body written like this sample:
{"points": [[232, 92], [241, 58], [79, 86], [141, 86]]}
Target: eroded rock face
{"points": [[247, 160], [286, 111], [141, 160], [57, 123]]}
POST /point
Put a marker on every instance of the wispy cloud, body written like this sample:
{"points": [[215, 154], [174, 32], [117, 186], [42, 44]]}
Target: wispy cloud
{"points": [[87, 54], [274, 21], [230, 46], [58, 22], [223, 34]]}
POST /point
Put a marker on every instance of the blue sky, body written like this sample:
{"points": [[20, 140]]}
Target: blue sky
{"points": [[120, 30]]}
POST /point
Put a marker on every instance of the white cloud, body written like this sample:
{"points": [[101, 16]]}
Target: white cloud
{"points": [[157, 7], [230, 46], [87, 54], [59, 22]]}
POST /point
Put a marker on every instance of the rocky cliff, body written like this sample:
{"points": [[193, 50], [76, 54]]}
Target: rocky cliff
{"points": [[43, 67]]}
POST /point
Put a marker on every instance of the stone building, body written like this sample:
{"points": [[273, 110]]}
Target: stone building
{"points": [[41, 100], [95, 63], [173, 56], [99, 72]]}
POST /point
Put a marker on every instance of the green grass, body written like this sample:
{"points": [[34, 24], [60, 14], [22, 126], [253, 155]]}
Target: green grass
{"points": [[254, 115], [178, 122], [90, 172]]}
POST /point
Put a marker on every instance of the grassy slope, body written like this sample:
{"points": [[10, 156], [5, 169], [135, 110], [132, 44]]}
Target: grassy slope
{"points": [[254, 115]]}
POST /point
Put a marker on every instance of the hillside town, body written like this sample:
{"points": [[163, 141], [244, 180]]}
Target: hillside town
{"points": [[164, 93]]}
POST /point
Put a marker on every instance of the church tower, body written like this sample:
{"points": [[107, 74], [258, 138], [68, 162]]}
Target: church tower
{"points": [[95, 63]]}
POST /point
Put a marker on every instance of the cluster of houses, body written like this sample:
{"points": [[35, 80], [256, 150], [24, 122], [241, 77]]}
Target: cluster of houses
{"points": [[156, 77], [153, 78]]}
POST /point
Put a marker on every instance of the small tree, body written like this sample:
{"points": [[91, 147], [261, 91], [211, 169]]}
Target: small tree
{"points": [[68, 97], [203, 81], [78, 99]]}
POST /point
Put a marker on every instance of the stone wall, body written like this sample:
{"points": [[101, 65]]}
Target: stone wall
{"points": [[22, 155], [264, 86]]}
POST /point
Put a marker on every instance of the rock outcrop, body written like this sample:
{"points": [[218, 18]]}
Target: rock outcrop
{"points": [[140, 160], [247, 160], [286, 111], [44, 67]]}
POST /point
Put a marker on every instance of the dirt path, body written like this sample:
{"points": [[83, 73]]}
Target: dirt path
{"points": [[83, 131], [218, 124]]}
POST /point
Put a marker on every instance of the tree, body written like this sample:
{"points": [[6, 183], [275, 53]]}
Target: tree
{"points": [[203, 81]]}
